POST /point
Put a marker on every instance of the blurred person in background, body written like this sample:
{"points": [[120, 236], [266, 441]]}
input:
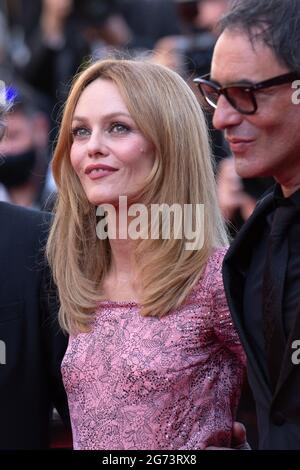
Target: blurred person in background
{"points": [[103, 24], [190, 52], [32, 342], [55, 46], [198, 20], [24, 151], [149, 20], [6, 65], [52, 38]]}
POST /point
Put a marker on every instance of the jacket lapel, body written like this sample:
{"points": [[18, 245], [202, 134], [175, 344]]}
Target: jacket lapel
{"points": [[235, 266]]}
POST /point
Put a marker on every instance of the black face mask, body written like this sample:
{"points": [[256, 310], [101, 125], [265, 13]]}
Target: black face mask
{"points": [[15, 170]]}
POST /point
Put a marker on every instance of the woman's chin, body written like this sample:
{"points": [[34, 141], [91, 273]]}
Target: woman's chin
{"points": [[100, 201], [117, 200]]}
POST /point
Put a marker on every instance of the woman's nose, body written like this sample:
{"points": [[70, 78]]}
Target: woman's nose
{"points": [[97, 145]]}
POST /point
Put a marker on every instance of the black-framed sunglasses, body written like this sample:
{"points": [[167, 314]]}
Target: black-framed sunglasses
{"points": [[240, 95]]}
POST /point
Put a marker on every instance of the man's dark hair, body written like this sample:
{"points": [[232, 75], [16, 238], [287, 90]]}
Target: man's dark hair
{"points": [[274, 22]]}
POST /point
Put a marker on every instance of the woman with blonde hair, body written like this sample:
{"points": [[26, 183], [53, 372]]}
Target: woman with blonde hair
{"points": [[153, 360]]}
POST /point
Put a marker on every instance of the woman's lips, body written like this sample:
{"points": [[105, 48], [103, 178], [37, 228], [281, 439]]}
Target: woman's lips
{"points": [[99, 173], [99, 170]]}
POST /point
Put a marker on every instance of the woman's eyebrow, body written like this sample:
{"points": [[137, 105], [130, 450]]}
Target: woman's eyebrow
{"points": [[105, 116]]}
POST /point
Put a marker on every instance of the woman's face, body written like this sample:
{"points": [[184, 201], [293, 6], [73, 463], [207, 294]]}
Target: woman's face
{"points": [[109, 153]]}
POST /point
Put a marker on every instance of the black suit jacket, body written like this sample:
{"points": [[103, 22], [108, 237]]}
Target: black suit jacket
{"points": [[31, 341], [278, 413]]}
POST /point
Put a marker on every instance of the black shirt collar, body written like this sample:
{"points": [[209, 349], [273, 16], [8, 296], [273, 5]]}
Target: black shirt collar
{"points": [[280, 200]]}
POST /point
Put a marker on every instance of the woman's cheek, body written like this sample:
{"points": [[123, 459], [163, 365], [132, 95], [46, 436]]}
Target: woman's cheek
{"points": [[75, 162]]}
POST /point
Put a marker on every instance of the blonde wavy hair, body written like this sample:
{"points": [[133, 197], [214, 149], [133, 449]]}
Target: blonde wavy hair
{"points": [[168, 114]]}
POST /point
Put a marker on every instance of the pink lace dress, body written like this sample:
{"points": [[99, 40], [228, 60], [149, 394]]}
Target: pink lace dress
{"points": [[150, 383]]}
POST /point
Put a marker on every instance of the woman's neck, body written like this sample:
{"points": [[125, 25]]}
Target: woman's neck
{"points": [[121, 281], [122, 264]]}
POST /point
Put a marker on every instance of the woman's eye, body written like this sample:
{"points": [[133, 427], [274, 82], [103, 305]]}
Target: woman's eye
{"points": [[118, 128], [80, 132]]}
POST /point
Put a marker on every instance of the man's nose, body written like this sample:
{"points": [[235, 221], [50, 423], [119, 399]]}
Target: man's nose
{"points": [[226, 115]]}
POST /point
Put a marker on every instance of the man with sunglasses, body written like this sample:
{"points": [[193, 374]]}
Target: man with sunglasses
{"points": [[252, 89]]}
